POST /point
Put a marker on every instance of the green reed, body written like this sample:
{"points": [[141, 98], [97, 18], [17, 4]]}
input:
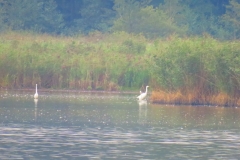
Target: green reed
{"points": [[200, 65]]}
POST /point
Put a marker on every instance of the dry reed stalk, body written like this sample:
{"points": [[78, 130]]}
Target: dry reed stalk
{"points": [[190, 98], [220, 99]]}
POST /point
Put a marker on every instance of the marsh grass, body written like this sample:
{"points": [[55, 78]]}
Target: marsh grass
{"points": [[197, 71], [94, 62], [190, 70]]}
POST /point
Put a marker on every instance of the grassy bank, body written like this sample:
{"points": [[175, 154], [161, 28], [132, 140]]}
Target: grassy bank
{"points": [[197, 70]]}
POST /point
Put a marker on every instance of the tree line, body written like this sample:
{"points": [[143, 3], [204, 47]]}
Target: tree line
{"points": [[152, 18]]}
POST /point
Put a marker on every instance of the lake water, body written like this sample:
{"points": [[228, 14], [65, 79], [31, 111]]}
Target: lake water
{"points": [[113, 126]]}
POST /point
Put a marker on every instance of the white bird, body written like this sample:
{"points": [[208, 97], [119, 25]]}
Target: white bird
{"points": [[36, 94], [143, 95]]}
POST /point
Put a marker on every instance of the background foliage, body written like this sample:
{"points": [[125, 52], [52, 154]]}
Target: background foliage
{"points": [[152, 18]]}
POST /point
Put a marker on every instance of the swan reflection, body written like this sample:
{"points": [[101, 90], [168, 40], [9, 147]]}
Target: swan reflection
{"points": [[35, 113], [36, 94], [142, 110]]}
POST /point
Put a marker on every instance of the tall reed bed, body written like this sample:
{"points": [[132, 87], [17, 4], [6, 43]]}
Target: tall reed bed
{"points": [[198, 70], [191, 70], [95, 62]]}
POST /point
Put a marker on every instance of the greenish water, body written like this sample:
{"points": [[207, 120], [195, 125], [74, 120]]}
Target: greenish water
{"points": [[113, 126]]}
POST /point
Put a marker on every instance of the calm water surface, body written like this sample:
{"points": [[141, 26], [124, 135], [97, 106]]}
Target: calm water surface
{"points": [[113, 126]]}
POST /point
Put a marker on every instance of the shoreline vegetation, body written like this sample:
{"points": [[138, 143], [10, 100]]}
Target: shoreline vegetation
{"points": [[44, 90], [188, 70]]}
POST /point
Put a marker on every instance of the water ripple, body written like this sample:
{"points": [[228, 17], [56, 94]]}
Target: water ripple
{"points": [[105, 126], [27, 141]]}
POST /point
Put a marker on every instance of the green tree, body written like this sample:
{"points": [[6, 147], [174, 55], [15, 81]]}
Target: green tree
{"points": [[231, 18], [17, 13], [95, 15], [138, 17], [49, 19], [2, 16], [178, 12], [128, 13], [201, 17], [36, 15]]}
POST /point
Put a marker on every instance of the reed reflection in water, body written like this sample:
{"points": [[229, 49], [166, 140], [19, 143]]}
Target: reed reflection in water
{"points": [[107, 126]]}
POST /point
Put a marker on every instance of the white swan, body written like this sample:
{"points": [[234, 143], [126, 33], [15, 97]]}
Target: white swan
{"points": [[143, 95], [36, 94]]}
